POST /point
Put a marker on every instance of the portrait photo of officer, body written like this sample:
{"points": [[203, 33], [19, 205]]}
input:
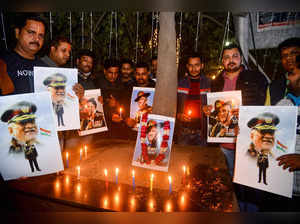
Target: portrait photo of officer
{"points": [[262, 136], [21, 121], [90, 116], [143, 107], [56, 85]]}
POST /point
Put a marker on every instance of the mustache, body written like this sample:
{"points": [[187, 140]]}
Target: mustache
{"points": [[268, 140], [60, 94], [232, 63], [36, 43], [29, 130]]}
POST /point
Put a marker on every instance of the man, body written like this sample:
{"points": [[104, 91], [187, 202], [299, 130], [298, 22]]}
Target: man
{"points": [[85, 64], [263, 129], [142, 76], [127, 69], [235, 77], [56, 85], [59, 52], [191, 125], [292, 161], [23, 129], [29, 33], [288, 49], [253, 86]]}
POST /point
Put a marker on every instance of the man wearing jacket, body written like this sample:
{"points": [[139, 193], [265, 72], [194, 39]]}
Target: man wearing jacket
{"points": [[191, 126]]}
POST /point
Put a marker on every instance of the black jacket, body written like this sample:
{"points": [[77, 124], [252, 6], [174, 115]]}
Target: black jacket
{"points": [[278, 89], [253, 85]]}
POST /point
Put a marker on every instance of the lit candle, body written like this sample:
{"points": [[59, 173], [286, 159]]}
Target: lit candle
{"points": [[80, 154], [85, 151], [78, 172], [170, 184], [168, 207], [121, 109], [67, 159], [133, 179], [117, 172], [184, 173], [189, 113], [151, 181], [106, 182]]}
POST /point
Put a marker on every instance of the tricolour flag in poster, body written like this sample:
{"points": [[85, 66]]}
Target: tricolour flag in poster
{"points": [[222, 116], [59, 82], [28, 140], [154, 142], [265, 134], [92, 118]]}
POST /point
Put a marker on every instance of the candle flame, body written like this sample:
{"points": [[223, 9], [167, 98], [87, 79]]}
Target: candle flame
{"points": [[57, 184], [133, 173], [121, 109], [117, 198], [85, 147], [169, 207], [67, 155], [152, 176], [182, 199], [117, 171], [184, 169], [78, 168], [105, 202], [78, 188], [189, 112], [80, 150], [170, 179], [132, 201], [105, 172]]}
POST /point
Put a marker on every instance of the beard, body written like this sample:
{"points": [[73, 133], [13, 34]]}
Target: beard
{"points": [[231, 69]]}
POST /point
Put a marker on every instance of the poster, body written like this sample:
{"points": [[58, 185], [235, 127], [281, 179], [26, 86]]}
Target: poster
{"points": [[29, 142], [141, 102], [59, 82], [154, 142], [265, 134], [92, 118], [222, 116], [277, 20]]}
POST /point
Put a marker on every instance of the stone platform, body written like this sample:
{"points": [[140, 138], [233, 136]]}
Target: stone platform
{"points": [[207, 188]]}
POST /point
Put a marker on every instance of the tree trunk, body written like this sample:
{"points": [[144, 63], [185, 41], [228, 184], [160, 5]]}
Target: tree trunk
{"points": [[165, 98]]}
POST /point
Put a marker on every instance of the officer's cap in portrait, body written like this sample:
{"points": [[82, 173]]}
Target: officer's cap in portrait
{"points": [[264, 121], [56, 80], [140, 95], [21, 112]]}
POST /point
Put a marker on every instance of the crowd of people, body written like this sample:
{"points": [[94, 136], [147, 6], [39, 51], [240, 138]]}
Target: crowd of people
{"points": [[119, 77]]}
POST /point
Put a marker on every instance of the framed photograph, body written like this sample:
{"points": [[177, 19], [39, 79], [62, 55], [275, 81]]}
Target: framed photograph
{"points": [[222, 112], [29, 142], [266, 132], [141, 102], [154, 142], [59, 82], [92, 118]]}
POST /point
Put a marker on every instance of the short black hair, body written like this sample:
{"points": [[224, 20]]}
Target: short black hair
{"points": [[232, 46], [93, 101], [22, 18], [85, 52], [111, 63], [142, 65], [154, 58], [195, 54], [290, 42], [127, 61], [57, 40]]}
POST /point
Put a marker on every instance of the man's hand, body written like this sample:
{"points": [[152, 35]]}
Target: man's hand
{"points": [[291, 161], [183, 117], [79, 90], [116, 118], [130, 122], [112, 102], [207, 109], [100, 99]]}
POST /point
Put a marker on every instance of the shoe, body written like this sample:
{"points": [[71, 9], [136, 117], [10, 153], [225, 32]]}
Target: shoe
{"points": [[38, 169], [265, 183]]}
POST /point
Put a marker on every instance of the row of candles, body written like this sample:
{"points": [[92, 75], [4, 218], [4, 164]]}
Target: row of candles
{"points": [[184, 168], [116, 197], [133, 177]]}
